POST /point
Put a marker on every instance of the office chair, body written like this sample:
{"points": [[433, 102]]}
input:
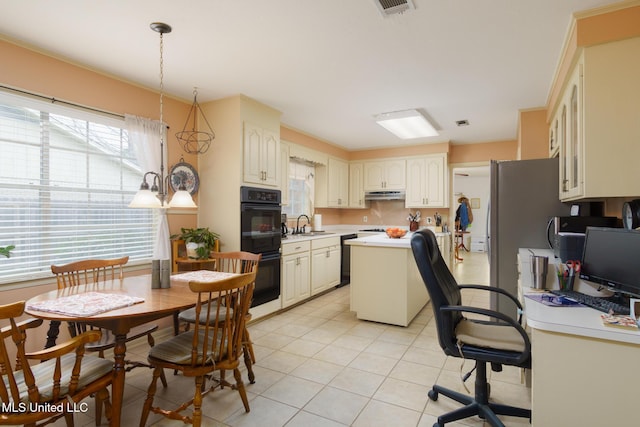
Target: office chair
{"points": [[490, 337]]}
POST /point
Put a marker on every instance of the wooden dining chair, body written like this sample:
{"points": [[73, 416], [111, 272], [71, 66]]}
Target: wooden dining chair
{"points": [[92, 272], [233, 262], [57, 378], [212, 344]]}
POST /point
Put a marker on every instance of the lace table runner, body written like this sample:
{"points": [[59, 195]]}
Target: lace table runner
{"points": [[202, 276], [86, 304]]}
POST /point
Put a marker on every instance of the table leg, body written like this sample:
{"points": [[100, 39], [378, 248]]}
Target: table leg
{"points": [[52, 333], [117, 387]]}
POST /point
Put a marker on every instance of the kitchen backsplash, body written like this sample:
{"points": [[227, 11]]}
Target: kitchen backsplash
{"points": [[388, 212]]}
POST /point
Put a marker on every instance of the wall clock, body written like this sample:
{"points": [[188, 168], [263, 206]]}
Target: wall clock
{"points": [[184, 173], [631, 214]]}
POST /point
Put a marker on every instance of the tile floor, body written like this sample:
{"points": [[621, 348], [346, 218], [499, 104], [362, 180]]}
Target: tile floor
{"points": [[317, 365]]}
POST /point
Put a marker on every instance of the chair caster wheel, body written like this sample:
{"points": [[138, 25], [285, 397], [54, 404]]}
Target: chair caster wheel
{"points": [[433, 395]]}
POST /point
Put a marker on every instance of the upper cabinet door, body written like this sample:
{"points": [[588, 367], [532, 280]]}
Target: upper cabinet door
{"points": [[284, 172], [373, 176], [385, 175], [395, 171], [261, 156], [356, 185], [427, 179], [253, 171], [337, 183], [271, 157]]}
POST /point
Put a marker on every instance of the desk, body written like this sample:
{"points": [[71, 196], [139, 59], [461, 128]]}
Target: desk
{"points": [[158, 303], [583, 373]]}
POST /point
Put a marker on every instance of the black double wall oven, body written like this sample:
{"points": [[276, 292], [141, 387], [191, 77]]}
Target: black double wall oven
{"points": [[260, 227]]}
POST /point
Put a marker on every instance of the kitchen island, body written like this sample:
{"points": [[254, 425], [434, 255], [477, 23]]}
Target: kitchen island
{"points": [[386, 286]]}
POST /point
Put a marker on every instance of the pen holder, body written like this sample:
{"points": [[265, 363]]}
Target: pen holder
{"points": [[165, 273]]}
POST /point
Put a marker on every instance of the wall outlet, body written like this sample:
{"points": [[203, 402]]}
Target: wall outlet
{"points": [[365, 218], [428, 220]]}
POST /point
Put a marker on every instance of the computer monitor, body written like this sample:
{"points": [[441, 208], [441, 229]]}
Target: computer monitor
{"points": [[610, 258]]}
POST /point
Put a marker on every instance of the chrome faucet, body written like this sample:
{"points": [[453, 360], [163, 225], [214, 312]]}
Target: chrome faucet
{"points": [[297, 230]]}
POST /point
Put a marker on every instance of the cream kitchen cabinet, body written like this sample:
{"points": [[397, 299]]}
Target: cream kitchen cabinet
{"points": [[332, 184], [570, 122], [284, 173], [427, 178], [295, 280], [356, 185], [384, 175], [337, 183], [598, 145], [325, 263], [261, 156]]}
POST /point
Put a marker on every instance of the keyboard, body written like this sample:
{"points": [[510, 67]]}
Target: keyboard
{"points": [[601, 304]]}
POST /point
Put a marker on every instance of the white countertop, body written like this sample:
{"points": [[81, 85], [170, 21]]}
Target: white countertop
{"points": [[574, 320], [382, 240]]}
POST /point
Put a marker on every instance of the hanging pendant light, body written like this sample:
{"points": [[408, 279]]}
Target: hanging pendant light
{"points": [[195, 141], [157, 195]]}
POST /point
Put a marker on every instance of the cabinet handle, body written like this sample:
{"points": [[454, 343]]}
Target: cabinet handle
{"points": [[298, 261], [328, 253]]}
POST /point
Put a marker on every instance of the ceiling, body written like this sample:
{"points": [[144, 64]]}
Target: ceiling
{"points": [[329, 66]]}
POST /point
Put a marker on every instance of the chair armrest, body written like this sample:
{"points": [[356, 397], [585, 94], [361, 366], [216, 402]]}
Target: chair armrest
{"points": [[22, 326], [66, 347], [500, 291], [496, 314]]}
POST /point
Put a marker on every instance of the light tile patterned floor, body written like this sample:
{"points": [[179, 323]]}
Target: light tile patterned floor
{"points": [[317, 365]]}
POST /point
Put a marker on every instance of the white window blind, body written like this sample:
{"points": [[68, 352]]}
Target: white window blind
{"points": [[66, 178]]}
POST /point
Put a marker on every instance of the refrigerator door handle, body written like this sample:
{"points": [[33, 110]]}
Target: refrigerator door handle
{"points": [[488, 228]]}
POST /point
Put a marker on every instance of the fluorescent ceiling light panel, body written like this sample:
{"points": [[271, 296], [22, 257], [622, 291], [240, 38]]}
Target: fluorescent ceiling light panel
{"points": [[408, 124]]}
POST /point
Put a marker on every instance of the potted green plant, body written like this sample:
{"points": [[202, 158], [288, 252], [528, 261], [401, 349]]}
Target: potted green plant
{"points": [[199, 241], [6, 251]]}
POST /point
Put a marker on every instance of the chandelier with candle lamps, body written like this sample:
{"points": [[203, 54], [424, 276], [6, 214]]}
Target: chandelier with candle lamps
{"points": [[156, 196]]}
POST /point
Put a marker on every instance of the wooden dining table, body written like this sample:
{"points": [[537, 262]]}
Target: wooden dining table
{"points": [[158, 303]]}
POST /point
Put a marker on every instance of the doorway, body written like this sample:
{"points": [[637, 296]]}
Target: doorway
{"points": [[473, 182]]}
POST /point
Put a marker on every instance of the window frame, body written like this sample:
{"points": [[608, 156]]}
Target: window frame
{"points": [[103, 199]]}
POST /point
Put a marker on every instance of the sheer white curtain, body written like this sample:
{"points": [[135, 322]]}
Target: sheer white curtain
{"points": [[144, 134]]}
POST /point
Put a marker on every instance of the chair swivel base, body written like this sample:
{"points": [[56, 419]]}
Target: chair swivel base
{"points": [[478, 405]]}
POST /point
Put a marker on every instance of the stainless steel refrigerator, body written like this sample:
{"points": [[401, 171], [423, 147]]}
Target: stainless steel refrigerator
{"points": [[523, 198]]}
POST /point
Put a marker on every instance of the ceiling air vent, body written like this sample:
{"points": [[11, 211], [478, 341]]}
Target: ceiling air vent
{"points": [[393, 7]]}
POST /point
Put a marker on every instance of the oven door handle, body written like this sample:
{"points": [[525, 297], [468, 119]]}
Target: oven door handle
{"points": [[260, 208], [271, 257]]}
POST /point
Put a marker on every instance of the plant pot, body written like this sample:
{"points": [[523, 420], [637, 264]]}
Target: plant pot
{"points": [[192, 249]]}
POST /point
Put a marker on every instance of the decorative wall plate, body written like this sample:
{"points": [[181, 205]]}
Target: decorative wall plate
{"points": [[185, 173]]}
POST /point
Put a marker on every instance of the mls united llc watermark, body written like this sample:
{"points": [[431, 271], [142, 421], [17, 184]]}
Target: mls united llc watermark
{"points": [[22, 407]]}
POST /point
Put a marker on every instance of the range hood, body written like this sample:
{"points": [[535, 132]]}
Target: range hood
{"points": [[384, 195]]}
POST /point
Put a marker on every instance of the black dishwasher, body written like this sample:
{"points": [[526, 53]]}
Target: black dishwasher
{"points": [[345, 260]]}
